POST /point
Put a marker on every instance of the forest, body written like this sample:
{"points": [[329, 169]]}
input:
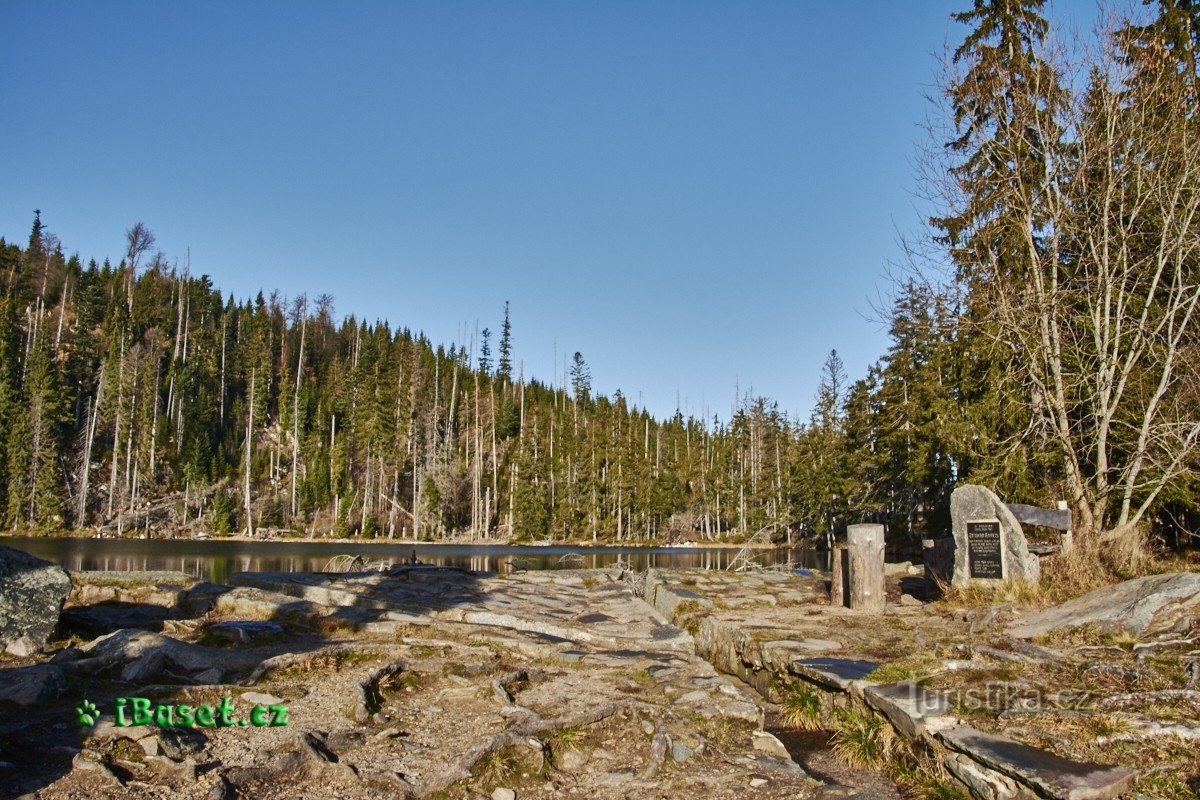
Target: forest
{"points": [[1043, 342]]}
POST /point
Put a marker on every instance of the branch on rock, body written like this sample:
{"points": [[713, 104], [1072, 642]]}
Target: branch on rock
{"points": [[659, 746], [294, 659], [1119, 700], [369, 697]]}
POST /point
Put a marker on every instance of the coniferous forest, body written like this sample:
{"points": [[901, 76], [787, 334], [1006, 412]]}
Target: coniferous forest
{"points": [[1043, 342]]}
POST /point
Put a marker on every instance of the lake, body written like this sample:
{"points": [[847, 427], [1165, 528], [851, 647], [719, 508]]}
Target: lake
{"points": [[216, 560]]}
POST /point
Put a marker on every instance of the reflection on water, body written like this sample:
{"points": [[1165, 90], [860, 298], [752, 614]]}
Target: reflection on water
{"points": [[217, 560]]}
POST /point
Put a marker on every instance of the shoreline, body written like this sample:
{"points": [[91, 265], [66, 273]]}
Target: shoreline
{"points": [[571, 544]]}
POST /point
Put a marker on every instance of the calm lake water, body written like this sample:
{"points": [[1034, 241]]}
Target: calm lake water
{"points": [[216, 560]]}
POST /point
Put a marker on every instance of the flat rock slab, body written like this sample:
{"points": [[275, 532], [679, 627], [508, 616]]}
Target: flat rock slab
{"points": [[1047, 773], [909, 707], [1143, 605], [836, 673]]}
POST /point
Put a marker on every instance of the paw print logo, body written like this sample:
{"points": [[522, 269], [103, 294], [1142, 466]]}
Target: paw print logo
{"points": [[87, 714]]}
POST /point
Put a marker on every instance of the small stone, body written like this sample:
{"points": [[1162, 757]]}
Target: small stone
{"points": [[680, 752], [757, 782], [767, 743], [149, 745], [647, 727], [909, 600], [568, 759], [22, 647], [261, 698], [500, 793]]}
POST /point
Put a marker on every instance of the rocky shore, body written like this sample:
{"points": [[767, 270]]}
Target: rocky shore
{"points": [[438, 682]]}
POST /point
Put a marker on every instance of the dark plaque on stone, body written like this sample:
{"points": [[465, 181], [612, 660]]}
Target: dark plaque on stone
{"points": [[983, 549]]}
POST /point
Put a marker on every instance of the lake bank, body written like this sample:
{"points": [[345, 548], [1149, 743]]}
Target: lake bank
{"points": [[217, 559]]}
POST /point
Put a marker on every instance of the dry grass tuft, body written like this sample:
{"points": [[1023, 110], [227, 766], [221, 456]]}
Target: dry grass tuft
{"points": [[802, 708], [862, 740]]}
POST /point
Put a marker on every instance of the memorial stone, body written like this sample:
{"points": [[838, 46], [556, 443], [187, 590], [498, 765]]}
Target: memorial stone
{"points": [[989, 544]]}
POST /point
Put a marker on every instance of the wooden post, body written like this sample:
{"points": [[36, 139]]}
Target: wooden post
{"points": [[865, 546], [837, 576], [1068, 540]]}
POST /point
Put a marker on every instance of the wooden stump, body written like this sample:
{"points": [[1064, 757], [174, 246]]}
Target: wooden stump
{"points": [[865, 546], [838, 576]]}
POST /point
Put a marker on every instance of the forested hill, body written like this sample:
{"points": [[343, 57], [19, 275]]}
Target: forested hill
{"points": [[136, 396], [1045, 343]]}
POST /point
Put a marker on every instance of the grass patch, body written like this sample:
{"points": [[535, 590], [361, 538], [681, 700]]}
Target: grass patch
{"points": [[569, 738], [802, 708], [923, 779], [918, 669], [978, 595], [862, 740]]}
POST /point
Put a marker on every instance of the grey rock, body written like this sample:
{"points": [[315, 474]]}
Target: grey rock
{"points": [[984, 783], [501, 793], [680, 752], [211, 676], [1046, 773], [32, 686], [143, 668], [178, 743], [767, 743], [32, 593], [909, 707], [22, 647], [261, 698], [568, 759], [1149, 605], [246, 632], [969, 502], [125, 646], [108, 617], [832, 673], [90, 761], [201, 598]]}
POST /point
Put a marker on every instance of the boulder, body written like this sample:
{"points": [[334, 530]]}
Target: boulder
{"points": [[1147, 606], [32, 592], [29, 687], [970, 503], [113, 616]]}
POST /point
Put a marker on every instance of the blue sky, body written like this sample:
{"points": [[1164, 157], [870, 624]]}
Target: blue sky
{"points": [[696, 196]]}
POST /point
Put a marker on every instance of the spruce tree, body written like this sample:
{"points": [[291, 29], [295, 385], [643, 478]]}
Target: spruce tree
{"points": [[504, 368], [485, 353]]}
